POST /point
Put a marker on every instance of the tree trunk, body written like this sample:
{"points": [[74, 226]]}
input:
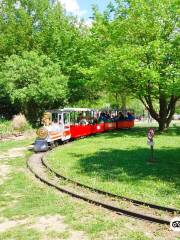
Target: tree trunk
{"points": [[166, 110], [163, 112], [162, 125], [123, 102], [116, 101]]}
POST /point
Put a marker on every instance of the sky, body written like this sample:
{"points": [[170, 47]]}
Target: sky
{"points": [[82, 8]]}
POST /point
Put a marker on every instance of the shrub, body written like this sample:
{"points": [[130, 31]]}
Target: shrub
{"points": [[19, 123]]}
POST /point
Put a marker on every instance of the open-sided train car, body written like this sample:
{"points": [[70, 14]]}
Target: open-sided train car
{"points": [[61, 125]]}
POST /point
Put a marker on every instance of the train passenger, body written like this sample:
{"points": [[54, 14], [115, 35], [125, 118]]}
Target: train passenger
{"points": [[107, 115], [55, 127], [130, 116], [82, 120], [88, 118], [121, 116], [114, 118], [95, 120], [102, 117]]}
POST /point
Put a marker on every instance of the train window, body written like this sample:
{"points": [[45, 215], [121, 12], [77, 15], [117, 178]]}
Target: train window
{"points": [[92, 117], [66, 118], [59, 119], [72, 118], [76, 117], [54, 117]]}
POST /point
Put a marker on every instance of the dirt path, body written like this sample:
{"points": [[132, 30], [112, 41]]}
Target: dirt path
{"points": [[6, 156], [4, 171], [13, 153], [44, 224]]}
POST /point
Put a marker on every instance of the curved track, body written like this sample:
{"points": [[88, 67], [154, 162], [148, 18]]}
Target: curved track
{"points": [[38, 169], [136, 202]]}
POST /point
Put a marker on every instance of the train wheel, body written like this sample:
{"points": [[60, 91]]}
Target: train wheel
{"points": [[52, 145]]}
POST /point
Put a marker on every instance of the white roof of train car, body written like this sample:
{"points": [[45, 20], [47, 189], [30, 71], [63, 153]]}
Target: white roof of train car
{"points": [[72, 110]]}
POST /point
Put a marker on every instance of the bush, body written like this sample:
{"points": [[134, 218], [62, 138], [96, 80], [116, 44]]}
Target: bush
{"points": [[33, 83], [5, 127], [19, 123]]}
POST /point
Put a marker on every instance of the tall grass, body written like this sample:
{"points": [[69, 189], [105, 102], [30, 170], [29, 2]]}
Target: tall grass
{"points": [[18, 124], [5, 127]]}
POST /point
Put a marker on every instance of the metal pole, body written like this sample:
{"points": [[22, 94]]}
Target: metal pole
{"points": [[152, 154]]}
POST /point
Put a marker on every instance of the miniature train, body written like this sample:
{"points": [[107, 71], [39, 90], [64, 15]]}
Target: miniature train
{"points": [[61, 125]]}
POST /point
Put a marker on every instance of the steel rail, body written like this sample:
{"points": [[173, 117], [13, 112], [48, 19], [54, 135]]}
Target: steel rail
{"points": [[106, 206], [136, 202]]}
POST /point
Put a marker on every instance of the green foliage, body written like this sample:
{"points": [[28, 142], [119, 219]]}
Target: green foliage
{"points": [[44, 28], [178, 107], [5, 127], [142, 57], [34, 83], [132, 49]]}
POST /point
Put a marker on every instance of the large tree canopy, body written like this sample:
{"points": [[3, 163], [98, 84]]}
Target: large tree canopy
{"points": [[34, 83], [44, 27], [143, 55], [132, 49]]}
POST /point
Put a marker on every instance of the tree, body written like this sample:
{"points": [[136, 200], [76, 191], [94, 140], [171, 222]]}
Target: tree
{"points": [[143, 55], [44, 27], [34, 83]]}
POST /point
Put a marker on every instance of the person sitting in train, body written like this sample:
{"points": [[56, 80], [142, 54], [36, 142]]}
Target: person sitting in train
{"points": [[79, 118], [107, 115], [82, 120], [88, 118], [95, 120], [99, 120], [114, 118], [55, 127], [121, 116], [102, 117], [130, 116]]}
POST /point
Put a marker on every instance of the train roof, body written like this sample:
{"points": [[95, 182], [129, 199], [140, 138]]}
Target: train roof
{"points": [[60, 110], [71, 110]]}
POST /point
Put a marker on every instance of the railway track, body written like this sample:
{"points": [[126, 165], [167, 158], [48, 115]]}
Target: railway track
{"points": [[39, 168], [136, 202]]}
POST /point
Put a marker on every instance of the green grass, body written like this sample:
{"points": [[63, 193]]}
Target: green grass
{"points": [[24, 198], [117, 162], [6, 145], [5, 127], [20, 233]]}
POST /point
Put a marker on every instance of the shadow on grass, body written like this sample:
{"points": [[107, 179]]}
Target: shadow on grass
{"points": [[140, 132], [128, 165]]}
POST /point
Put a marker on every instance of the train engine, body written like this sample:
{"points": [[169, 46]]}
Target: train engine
{"points": [[55, 129]]}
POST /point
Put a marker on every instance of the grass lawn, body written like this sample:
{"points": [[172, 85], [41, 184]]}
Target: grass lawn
{"points": [[26, 205], [7, 145], [117, 162], [29, 210]]}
